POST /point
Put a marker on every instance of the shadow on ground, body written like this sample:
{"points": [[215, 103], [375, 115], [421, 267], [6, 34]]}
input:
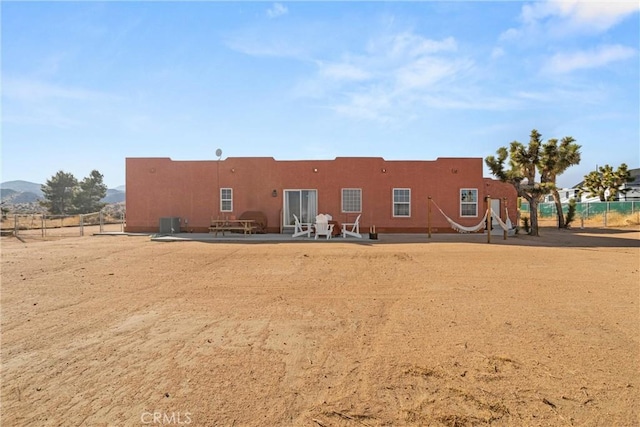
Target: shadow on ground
{"points": [[551, 237]]}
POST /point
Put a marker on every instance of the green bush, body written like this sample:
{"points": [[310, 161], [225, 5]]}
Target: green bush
{"points": [[571, 213]]}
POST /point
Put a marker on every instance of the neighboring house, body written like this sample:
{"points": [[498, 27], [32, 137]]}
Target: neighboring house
{"points": [[633, 188], [632, 193], [392, 195], [567, 194]]}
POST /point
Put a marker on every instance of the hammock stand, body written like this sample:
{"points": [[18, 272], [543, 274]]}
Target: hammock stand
{"points": [[461, 228], [509, 229]]}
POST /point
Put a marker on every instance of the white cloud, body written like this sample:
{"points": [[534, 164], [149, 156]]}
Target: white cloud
{"points": [[562, 17], [254, 46], [33, 90], [408, 45], [42, 117], [373, 104], [343, 71], [599, 15], [427, 72], [497, 52], [386, 78], [601, 56], [535, 96], [397, 74], [33, 102], [278, 9]]}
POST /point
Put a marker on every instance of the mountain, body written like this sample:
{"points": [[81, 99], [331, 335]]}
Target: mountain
{"points": [[13, 197], [22, 187], [27, 194], [114, 196], [6, 193]]}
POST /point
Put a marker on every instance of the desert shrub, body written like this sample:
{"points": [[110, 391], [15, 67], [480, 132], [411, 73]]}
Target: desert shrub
{"points": [[571, 213]]}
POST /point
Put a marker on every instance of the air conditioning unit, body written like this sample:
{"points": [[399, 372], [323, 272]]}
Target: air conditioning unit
{"points": [[169, 225]]}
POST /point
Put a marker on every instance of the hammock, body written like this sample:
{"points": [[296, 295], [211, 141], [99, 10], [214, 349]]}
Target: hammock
{"points": [[461, 228], [506, 227]]}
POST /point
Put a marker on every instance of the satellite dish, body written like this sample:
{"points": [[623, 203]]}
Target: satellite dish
{"points": [[218, 152]]}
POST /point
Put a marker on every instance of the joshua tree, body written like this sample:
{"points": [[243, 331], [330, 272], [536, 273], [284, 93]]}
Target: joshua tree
{"points": [[549, 159]]}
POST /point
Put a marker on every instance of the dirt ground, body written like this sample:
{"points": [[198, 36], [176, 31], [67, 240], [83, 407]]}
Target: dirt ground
{"points": [[448, 331]]}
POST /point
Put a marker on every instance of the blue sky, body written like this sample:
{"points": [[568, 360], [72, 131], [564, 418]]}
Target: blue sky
{"points": [[87, 84]]}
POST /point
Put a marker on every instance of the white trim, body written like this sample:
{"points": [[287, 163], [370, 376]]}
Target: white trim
{"points": [[393, 203], [285, 209], [342, 200], [224, 200], [460, 202]]}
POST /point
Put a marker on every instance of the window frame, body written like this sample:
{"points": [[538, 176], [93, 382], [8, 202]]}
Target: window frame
{"points": [[468, 203], [359, 200], [395, 203], [229, 199]]}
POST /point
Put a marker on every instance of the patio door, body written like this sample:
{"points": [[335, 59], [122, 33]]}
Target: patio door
{"points": [[301, 203]]}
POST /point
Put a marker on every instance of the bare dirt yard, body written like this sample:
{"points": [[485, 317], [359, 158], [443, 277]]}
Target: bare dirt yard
{"points": [[447, 331]]}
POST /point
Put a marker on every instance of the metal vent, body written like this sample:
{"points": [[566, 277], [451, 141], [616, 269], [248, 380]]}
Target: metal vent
{"points": [[169, 225]]}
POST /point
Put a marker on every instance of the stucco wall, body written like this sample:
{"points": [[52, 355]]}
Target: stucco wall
{"points": [[161, 187]]}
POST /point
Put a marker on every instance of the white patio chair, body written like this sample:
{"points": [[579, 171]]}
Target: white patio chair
{"points": [[300, 229], [352, 228], [322, 226]]}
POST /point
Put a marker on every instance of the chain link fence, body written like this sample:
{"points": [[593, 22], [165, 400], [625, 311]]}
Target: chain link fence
{"points": [[606, 213]]}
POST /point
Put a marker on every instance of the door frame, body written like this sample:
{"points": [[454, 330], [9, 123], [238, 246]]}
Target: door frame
{"points": [[304, 217], [495, 202]]}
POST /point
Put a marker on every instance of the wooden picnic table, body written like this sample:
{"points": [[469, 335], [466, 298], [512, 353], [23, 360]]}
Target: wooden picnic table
{"points": [[222, 225]]}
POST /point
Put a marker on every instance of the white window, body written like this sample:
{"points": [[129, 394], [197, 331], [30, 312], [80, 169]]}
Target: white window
{"points": [[468, 202], [226, 200], [402, 202], [351, 200]]}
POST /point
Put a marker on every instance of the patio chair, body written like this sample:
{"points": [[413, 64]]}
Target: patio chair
{"points": [[322, 226], [352, 228], [301, 229]]}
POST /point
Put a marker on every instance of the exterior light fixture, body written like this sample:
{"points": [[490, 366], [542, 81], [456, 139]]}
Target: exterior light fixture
{"points": [[383, 170], [315, 170], [274, 193]]}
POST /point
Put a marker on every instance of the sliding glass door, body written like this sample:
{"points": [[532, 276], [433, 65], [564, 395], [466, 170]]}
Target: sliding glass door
{"points": [[301, 203]]}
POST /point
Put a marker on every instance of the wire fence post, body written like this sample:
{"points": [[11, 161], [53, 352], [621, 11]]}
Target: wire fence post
{"points": [[101, 221], [81, 225]]}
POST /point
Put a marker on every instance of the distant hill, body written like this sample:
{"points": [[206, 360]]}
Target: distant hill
{"points": [[22, 187], [6, 193], [114, 196], [27, 194], [13, 197]]}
